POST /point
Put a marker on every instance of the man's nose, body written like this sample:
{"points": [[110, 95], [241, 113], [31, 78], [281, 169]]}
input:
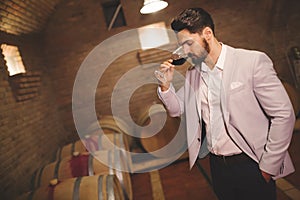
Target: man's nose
{"points": [[186, 49]]}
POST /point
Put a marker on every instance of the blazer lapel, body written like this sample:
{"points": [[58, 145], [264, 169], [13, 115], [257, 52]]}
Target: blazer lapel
{"points": [[193, 94], [228, 70], [197, 77], [192, 87]]}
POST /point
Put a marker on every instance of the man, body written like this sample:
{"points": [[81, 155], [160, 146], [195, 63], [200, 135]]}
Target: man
{"points": [[247, 113]]}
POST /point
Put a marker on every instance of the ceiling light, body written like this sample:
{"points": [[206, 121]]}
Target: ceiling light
{"points": [[151, 6]]}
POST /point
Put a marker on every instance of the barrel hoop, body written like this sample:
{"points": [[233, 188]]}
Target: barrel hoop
{"points": [[93, 143], [117, 159], [33, 178], [40, 176], [124, 153], [59, 153], [110, 162], [72, 148], [100, 180], [115, 139], [31, 195], [119, 137], [121, 142], [109, 187], [56, 169], [76, 188], [118, 171], [90, 165], [86, 143]]}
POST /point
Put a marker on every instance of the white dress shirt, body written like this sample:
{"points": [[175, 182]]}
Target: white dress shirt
{"points": [[218, 141]]}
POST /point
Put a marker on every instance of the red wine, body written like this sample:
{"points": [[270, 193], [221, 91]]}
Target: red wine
{"points": [[179, 61]]}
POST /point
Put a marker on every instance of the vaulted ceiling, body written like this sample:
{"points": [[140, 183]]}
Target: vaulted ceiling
{"points": [[19, 17], [25, 16]]}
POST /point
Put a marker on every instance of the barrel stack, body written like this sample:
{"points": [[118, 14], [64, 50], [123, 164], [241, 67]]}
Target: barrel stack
{"points": [[96, 167]]}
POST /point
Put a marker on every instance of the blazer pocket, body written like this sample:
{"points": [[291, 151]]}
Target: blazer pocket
{"points": [[237, 89]]}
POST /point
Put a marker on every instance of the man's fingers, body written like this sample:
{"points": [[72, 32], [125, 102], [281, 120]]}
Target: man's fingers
{"points": [[166, 66]]}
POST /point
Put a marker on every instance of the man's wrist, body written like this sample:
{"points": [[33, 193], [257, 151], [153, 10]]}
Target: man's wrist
{"points": [[164, 87]]}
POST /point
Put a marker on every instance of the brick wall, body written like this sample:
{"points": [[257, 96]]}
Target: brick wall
{"points": [[30, 131]]}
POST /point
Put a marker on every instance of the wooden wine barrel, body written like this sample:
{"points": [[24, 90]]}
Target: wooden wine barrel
{"points": [[294, 96], [93, 143], [85, 164], [109, 124], [164, 136], [96, 187]]}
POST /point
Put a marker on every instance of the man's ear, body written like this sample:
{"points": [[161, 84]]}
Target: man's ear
{"points": [[207, 33]]}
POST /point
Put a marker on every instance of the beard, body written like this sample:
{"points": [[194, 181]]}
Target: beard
{"points": [[197, 60]]}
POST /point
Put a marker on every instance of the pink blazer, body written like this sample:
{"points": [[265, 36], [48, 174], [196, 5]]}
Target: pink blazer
{"points": [[257, 111]]}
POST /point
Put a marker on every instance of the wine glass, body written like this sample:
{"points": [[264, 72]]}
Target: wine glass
{"points": [[179, 58]]}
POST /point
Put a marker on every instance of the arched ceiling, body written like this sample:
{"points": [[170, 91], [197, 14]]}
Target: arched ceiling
{"points": [[19, 17]]}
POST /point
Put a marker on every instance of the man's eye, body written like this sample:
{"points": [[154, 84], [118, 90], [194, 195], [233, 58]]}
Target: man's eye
{"points": [[189, 43]]}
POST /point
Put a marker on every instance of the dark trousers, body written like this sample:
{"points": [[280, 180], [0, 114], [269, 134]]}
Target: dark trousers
{"points": [[238, 177]]}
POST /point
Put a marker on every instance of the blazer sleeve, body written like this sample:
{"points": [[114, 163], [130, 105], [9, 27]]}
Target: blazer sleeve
{"points": [[172, 100], [276, 104]]}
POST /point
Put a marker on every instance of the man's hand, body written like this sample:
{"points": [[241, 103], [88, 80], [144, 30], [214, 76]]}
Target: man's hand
{"points": [[168, 70], [266, 176]]}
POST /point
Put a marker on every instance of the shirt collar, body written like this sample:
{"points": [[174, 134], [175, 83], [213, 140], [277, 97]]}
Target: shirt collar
{"points": [[220, 62]]}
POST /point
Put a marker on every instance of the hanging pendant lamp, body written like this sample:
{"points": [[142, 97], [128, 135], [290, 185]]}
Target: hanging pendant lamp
{"points": [[151, 6]]}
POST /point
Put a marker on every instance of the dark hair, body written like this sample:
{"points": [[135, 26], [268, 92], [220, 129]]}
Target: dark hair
{"points": [[194, 20]]}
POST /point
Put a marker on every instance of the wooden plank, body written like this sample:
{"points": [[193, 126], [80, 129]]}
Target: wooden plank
{"points": [[157, 189], [155, 163]]}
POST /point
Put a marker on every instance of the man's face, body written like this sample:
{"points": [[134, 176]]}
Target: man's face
{"points": [[195, 46]]}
